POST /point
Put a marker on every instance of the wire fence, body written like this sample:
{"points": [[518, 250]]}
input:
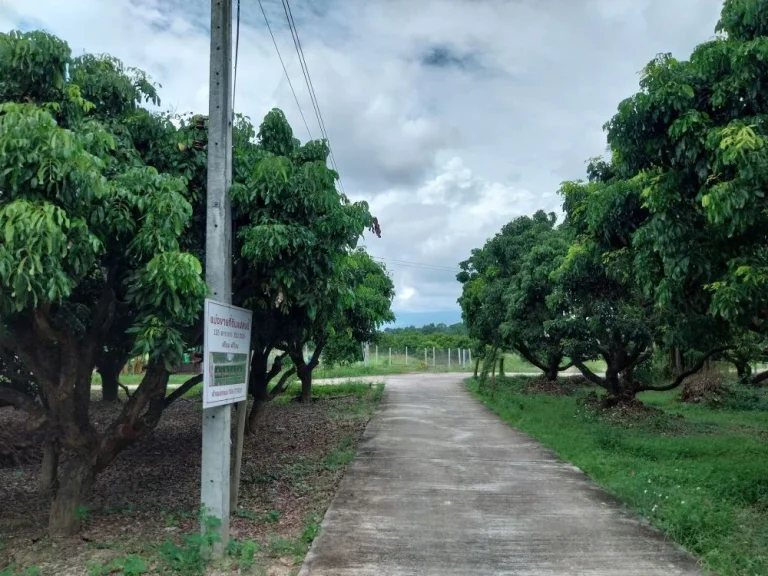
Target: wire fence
{"points": [[421, 358]]}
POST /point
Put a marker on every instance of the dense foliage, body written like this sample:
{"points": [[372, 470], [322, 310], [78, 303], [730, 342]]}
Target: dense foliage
{"points": [[102, 221], [663, 249], [440, 336]]}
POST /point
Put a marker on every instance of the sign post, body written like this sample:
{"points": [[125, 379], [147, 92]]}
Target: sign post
{"points": [[217, 433], [226, 363]]}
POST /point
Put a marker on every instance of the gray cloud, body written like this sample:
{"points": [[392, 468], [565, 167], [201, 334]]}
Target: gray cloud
{"points": [[449, 116]]}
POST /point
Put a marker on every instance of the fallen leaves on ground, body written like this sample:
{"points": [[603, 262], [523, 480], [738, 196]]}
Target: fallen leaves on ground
{"points": [[151, 492]]}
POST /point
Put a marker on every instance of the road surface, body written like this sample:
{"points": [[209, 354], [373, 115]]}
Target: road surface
{"points": [[442, 487]]}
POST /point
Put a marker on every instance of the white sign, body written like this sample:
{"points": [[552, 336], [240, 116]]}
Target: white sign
{"points": [[226, 354]]}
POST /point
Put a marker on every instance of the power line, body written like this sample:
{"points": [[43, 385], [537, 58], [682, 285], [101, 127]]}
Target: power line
{"points": [[416, 264], [431, 268], [310, 86], [285, 70], [303, 64]]}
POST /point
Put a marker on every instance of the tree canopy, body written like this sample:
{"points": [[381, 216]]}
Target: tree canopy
{"points": [[87, 227], [666, 238], [102, 221]]}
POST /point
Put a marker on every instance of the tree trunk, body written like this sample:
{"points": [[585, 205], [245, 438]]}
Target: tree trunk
{"points": [[619, 383], [553, 368], [679, 362], [109, 365], [612, 381], [493, 378], [477, 366], [255, 416], [629, 377], [305, 376], [49, 468], [501, 366], [257, 387], [109, 385], [67, 508], [744, 370]]}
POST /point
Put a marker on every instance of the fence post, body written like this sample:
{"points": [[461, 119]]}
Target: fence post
{"points": [[469, 352], [449, 357], [377, 356], [433, 356], [425, 356], [406, 355], [390, 356]]}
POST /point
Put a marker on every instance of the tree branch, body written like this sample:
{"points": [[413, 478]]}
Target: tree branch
{"points": [[277, 367], [21, 401], [690, 372], [183, 389], [640, 358], [526, 353], [588, 374], [759, 378], [43, 325], [134, 422], [125, 389], [282, 384], [316, 355], [563, 368]]}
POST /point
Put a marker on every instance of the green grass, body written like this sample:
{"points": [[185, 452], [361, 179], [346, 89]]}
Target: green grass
{"points": [[514, 363], [366, 392], [135, 379], [358, 369], [702, 478]]}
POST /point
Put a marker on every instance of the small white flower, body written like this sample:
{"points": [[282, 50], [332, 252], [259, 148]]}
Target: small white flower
{"points": [[682, 501]]}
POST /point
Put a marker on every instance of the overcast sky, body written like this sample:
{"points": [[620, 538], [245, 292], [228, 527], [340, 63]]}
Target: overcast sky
{"points": [[450, 117]]}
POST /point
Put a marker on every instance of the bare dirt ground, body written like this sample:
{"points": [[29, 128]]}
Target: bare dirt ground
{"points": [[149, 495]]}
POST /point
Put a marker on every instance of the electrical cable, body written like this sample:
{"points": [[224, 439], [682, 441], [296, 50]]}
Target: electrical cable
{"points": [[285, 70], [407, 263], [310, 85]]}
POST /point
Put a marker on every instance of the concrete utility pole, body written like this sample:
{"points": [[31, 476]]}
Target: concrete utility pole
{"points": [[390, 356], [433, 357], [406, 355], [214, 481], [367, 354], [449, 357]]}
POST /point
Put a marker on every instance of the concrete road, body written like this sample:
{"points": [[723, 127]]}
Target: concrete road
{"points": [[443, 487]]}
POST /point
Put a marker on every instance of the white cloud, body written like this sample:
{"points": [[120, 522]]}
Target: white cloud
{"points": [[512, 103]]}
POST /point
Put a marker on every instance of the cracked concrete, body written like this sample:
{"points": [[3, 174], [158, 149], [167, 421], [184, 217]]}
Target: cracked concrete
{"points": [[441, 486]]}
